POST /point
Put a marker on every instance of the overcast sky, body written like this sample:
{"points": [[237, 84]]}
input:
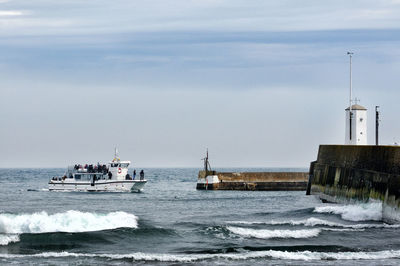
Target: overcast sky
{"points": [[258, 83]]}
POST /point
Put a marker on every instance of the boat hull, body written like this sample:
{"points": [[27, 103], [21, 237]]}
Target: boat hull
{"points": [[98, 186]]}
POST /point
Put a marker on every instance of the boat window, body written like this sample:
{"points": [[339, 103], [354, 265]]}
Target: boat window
{"points": [[77, 176], [124, 165]]}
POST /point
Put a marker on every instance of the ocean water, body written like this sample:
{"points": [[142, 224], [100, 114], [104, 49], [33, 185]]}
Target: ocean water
{"points": [[171, 223]]}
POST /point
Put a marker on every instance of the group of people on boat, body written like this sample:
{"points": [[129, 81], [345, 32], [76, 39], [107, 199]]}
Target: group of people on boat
{"points": [[101, 170], [141, 174], [91, 169]]}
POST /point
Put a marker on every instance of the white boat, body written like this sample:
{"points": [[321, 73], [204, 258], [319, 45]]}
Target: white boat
{"points": [[112, 177]]}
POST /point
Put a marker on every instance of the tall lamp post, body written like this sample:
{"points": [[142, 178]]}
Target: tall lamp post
{"points": [[351, 89], [376, 125]]}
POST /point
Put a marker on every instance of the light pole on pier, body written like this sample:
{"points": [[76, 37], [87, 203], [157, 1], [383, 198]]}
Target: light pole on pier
{"points": [[351, 89], [376, 125]]}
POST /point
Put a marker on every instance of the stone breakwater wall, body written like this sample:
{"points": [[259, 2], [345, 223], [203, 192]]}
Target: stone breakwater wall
{"points": [[350, 174], [212, 180]]}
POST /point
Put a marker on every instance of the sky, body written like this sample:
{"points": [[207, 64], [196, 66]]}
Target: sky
{"points": [[258, 83]]}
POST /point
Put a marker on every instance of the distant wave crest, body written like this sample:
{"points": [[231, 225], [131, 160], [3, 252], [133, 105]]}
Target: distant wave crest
{"points": [[266, 234], [319, 222]]}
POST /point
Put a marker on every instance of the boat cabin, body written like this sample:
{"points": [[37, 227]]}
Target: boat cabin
{"points": [[118, 169]]}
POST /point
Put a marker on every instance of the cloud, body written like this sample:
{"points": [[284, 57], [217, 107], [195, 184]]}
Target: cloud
{"points": [[88, 17], [138, 59], [10, 13], [176, 66]]}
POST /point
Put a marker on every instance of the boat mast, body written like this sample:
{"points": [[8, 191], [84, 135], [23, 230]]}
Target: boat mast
{"points": [[207, 166], [116, 158]]}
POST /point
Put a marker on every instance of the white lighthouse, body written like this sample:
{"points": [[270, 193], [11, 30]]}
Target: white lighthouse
{"points": [[356, 125]]}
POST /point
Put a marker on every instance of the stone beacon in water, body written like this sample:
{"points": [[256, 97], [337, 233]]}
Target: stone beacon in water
{"points": [[209, 179]]}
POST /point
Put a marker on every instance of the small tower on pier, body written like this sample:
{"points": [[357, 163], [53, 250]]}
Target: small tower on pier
{"points": [[356, 125]]}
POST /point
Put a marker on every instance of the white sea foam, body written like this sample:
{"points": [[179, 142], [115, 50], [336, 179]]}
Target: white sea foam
{"points": [[69, 221], [319, 222], [342, 229], [265, 234], [6, 239], [359, 212], [315, 222], [270, 254], [247, 222]]}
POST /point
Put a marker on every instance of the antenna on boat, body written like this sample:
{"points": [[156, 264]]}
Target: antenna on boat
{"points": [[116, 158]]}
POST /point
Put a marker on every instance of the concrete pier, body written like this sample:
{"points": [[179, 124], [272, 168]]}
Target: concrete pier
{"points": [[350, 173], [212, 180]]}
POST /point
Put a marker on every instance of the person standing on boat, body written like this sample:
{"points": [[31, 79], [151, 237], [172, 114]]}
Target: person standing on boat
{"points": [[141, 175], [134, 175]]}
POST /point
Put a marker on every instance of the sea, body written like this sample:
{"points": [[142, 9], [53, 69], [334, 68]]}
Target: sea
{"points": [[172, 223]]}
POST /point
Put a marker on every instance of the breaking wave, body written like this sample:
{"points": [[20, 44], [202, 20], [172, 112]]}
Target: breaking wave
{"points": [[69, 221], [266, 234], [270, 254], [319, 222], [355, 213], [7, 239]]}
